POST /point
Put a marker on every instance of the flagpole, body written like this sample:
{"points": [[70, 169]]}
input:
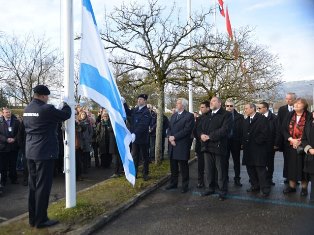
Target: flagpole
{"points": [[69, 142], [190, 86]]}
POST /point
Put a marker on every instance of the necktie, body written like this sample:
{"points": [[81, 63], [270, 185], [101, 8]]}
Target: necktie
{"points": [[251, 120], [178, 116]]}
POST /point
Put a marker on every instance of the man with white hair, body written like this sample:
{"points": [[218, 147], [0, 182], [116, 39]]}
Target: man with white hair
{"points": [[179, 134]]}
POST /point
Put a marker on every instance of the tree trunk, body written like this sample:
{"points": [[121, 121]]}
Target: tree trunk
{"points": [[160, 113]]}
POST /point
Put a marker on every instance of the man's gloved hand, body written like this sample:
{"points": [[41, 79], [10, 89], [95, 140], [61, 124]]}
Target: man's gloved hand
{"points": [[133, 137]]}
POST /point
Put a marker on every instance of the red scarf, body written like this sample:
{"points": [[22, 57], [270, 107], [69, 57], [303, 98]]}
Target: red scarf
{"points": [[296, 129]]}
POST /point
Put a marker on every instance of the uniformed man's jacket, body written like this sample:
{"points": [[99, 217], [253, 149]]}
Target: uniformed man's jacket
{"points": [[140, 120], [8, 132], [40, 121]]}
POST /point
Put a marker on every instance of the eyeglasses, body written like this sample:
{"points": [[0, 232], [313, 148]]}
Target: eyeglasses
{"points": [[229, 106]]}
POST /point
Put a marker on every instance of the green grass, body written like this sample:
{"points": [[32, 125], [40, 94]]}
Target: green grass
{"points": [[91, 203]]}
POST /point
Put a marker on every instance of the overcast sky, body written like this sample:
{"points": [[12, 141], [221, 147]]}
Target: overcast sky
{"points": [[285, 26]]}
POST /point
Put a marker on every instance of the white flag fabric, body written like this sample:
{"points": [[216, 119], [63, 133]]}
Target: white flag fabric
{"points": [[98, 83]]}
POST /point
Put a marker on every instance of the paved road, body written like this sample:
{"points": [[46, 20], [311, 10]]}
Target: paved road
{"points": [[14, 201], [170, 212]]}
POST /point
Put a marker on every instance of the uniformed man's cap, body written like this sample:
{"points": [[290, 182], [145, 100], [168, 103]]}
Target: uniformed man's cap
{"points": [[41, 90], [144, 96]]}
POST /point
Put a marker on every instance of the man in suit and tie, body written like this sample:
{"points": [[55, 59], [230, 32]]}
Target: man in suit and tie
{"points": [[214, 132], [179, 136], [234, 141], [255, 139], [283, 112]]}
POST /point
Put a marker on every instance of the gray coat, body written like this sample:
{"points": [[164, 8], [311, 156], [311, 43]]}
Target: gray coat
{"points": [[181, 128]]}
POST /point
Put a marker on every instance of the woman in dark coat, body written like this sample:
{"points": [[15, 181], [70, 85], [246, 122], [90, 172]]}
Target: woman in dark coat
{"points": [[308, 145], [84, 131], [103, 130], [293, 128]]}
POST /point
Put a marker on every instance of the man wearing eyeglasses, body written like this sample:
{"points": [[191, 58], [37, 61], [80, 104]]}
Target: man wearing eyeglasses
{"points": [[263, 108], [234, 141]]}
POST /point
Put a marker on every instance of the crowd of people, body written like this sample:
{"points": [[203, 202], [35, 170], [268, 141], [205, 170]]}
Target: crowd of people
{"points": [[219, 131]]}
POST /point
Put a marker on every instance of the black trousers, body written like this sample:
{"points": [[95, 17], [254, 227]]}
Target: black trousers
{"points": [[40, 182], [234, 147], [140, 151], [214, 161], [96, 155], [312, 188], [200, 168], [270, 166], [184, 168], [257, 175], [118, 167], [8, 164], [152, 144]]}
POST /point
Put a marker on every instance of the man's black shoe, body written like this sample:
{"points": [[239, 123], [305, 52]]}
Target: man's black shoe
{"points": [[171, 186], [221, 197], [253, 190], [184, 189], [200, 185], [237, 183], [48, 223], [264, 194], [207, 193], [145, 177]]}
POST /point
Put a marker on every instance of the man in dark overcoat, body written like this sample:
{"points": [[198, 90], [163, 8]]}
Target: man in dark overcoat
{"points": [[204, 109], [255, 140], [140, 120], [263, 108], [215, 128], [283, 112], [41, 120], [179, 136], [234, 141]]}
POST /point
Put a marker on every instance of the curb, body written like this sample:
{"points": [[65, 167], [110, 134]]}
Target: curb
{"points": [[106, 218]]}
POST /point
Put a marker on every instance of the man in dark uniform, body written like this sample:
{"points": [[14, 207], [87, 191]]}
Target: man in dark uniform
{"points": [[263, 108], [140, 120], [234, 141], [179, 136], [40, 121]]}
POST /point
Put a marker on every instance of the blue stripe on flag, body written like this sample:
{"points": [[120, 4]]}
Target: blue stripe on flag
{"points": [[88, 6], [90, 77]]}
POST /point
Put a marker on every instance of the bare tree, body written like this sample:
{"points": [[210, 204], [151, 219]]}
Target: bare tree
{"points": [[155, 41], [25, 63]]}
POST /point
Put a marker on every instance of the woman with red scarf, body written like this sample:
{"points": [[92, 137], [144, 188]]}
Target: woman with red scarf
{"points": [[293, 128]]}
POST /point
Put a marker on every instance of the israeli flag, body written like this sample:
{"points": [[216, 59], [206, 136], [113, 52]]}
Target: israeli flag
{"points": [[98, 83]]}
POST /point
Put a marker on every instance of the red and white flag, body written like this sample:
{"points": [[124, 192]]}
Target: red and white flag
{"points": [[221, 7], [228, 24]]}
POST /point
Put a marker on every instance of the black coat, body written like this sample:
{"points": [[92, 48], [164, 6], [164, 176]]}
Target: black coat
{"points": [[255, 139], [5, 134], [237, 127], [140, 120], [272, 123], [106, 139], [197, 131], [308, 142], [283, 112], [295, 160], [40, 121], [181, 128], [217, 127]]}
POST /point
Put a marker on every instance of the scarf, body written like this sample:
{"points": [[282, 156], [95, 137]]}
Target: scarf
{"points": [[296, 129]]}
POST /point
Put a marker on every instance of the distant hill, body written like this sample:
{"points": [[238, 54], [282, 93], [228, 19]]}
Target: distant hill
{"points": [[301, 88]]}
